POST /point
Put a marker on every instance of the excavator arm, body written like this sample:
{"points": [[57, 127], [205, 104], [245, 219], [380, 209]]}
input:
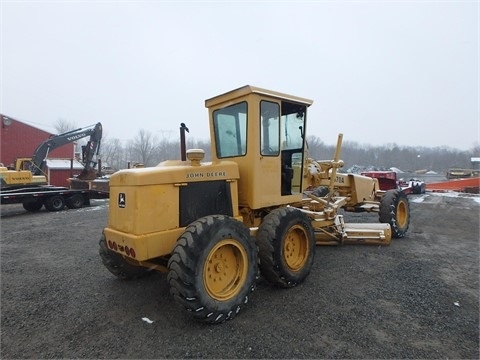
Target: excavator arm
{"points": [[88, 152]]}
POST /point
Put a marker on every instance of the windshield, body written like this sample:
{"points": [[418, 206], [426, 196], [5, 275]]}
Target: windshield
{"points": [[230, 126]]}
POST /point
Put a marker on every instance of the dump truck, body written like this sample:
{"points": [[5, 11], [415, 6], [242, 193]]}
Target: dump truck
{"points": [[27, 184], [258, 208]]}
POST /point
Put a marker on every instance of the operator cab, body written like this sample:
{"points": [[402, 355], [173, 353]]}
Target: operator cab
{"points": [[264, 133]]}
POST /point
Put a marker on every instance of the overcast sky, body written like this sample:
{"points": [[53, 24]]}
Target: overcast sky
{"points": [[380, 72]]}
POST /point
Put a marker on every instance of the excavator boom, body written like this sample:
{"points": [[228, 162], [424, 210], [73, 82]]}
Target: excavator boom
{"points": [[92, 148]]}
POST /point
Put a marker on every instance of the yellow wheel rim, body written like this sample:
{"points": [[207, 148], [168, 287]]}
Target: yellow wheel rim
{"points": [[296, 248], [402, 214], [225, 270]]}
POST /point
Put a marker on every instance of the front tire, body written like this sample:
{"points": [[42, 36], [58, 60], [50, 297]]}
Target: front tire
{"points": [[286, 243], [213, 268], [32, 206], [395, 210]]}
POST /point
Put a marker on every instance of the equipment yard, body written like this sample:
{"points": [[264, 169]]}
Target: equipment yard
{"points": [[416, 298]]}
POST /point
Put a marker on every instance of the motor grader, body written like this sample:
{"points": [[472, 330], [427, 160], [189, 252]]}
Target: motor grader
{"points": [[258, 207]]}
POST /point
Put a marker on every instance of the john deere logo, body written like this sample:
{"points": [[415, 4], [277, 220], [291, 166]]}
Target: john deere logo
{"points": [[121, 200]]}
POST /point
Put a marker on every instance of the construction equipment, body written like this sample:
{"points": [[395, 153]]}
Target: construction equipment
{"points": [[387, 180], [31, 171], [457, 173], [28, 184], [54, 198], [261, 202]]}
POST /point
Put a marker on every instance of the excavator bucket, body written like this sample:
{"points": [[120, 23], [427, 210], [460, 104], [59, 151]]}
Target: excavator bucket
{"points": [[87, 174]]}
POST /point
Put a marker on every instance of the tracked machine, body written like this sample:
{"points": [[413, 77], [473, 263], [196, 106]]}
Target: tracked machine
{"points": [[260, 204], [28, 185], [31, 171]]}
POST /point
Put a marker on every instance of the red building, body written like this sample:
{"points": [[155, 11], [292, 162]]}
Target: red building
{"points": [[60, 170], [20, 140]]}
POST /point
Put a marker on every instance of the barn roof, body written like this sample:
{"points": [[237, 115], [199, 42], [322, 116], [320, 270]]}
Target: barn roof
{"points": [[62, 164], [47, 128]]}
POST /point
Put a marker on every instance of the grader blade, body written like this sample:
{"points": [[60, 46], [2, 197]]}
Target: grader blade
{"points": [[353, 233], [368, 234]]}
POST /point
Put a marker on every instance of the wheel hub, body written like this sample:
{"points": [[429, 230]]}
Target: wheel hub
{"points": [[225, 269], [401, 214], [295, 248]]}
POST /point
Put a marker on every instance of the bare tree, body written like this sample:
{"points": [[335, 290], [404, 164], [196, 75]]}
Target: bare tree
{"points": [[63, 125], [143, 147], [171, 149], [114, 154], [147, 149]]}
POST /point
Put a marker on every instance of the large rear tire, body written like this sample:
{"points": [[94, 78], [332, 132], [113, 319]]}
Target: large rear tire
{"points": [[418, 187], [395, 210], [117, 265], [286, 243], [213, 268], [321, 191], [75, 201], [55, 203]]}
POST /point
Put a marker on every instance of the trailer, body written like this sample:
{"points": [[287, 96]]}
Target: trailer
{"points": [[54, 198], [28, 185], [387, 180]]}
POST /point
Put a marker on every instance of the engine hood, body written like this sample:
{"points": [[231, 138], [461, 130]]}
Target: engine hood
{"points": [[169, 172]]}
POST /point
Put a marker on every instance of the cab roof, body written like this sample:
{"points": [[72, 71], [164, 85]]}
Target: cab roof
{"points": [[248, 89]]}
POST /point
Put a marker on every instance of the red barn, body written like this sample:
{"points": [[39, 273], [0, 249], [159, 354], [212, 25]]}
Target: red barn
{"points": [[59, 170], [20, 140]]}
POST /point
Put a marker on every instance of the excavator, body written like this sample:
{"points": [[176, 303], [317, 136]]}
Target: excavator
{"points": [[31, 171]]}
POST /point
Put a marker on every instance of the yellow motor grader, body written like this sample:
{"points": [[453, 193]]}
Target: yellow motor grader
{"points": [[260, 204]]}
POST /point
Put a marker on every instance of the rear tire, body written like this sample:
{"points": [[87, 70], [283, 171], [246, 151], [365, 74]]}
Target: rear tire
{"points": [[75, 201], [213, 268], [286, 243], [395, 210], [418, 188], [32, 206], [117, 265], [55, 203], [321, 191]]}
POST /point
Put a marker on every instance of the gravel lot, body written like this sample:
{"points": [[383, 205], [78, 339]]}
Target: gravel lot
{"points": [[417, 298]]}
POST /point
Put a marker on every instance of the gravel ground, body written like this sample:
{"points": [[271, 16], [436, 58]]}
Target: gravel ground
{"points": [[417, 298]]}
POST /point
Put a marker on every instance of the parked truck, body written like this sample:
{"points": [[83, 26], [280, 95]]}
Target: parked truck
{"points": [[27, 183]]}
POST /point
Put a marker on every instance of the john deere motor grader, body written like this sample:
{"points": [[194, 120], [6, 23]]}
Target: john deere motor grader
{"points": [[261, 203]]}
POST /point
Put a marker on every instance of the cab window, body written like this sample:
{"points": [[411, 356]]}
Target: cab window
{"points": [[292, 137], [269, 128], [230, 127], [293, 126]]}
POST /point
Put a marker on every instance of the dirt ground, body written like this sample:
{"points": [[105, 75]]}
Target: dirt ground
{"points": [[417, 298]]}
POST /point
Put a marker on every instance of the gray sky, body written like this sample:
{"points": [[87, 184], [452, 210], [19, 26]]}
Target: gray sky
{"points": [[380, 72]]}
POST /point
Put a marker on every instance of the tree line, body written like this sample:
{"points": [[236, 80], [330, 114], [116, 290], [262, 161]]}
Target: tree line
{"points": [[149, 150]]}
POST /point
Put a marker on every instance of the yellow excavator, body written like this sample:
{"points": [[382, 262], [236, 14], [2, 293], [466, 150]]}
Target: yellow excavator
{"points": [[260, 203]]}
